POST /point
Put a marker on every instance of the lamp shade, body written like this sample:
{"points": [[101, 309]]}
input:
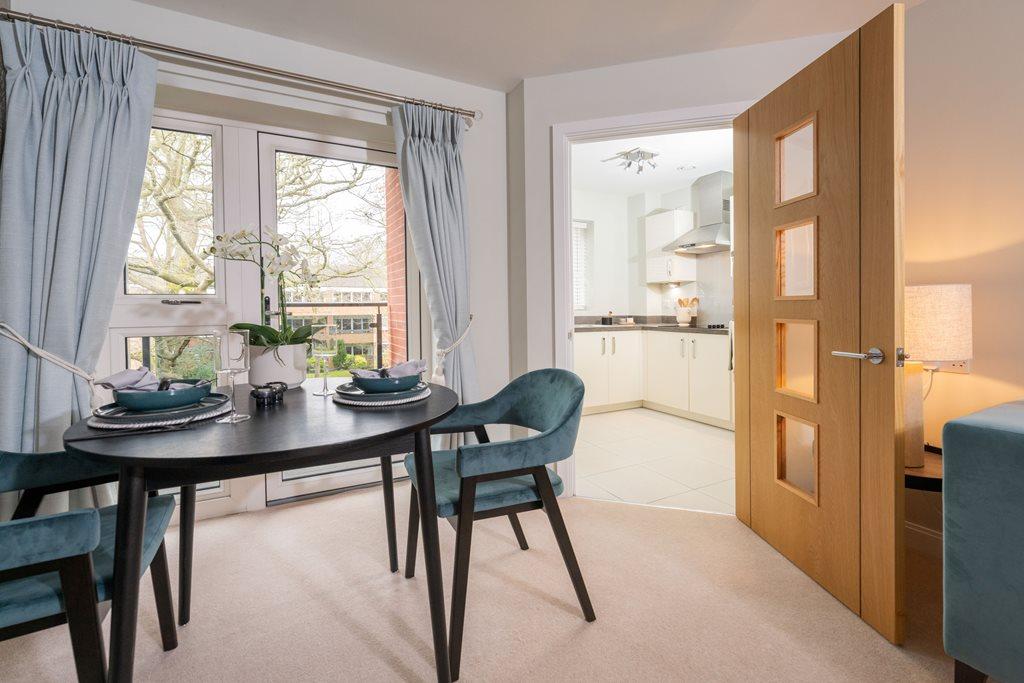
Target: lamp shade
{"points": [[938, 322]]}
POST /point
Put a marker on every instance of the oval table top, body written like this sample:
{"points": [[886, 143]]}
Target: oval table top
{"points": [[302, 427]]}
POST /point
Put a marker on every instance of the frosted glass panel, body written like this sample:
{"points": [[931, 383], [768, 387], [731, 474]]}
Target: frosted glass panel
{"points": [[794, 261], [796, 163], [796, 454], [796, 358]]}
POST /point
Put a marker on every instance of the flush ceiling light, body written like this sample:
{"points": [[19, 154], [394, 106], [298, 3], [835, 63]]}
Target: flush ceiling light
{"points": [[687, 167], [637, 157]]}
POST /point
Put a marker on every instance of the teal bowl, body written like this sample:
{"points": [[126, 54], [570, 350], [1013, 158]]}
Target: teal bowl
{"points": [[382, 385], [142, 401]]}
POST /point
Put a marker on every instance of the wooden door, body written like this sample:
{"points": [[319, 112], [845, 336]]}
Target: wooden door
{"points": [[590, 362], [626, 367], [819, 270], [710, 381]]}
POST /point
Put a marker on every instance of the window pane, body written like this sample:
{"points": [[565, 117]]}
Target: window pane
{"points": [[174, 222], [347, 221], [796, 163], [794, 261], [796, 454], [796, 347], [177, 356]]}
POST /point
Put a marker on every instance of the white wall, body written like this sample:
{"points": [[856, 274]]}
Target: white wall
{"points": [[609, 277], [716, 77], [483, 154]]}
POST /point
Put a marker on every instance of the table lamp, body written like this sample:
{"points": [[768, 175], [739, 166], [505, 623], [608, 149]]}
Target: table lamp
{"points": [[937, 329]]}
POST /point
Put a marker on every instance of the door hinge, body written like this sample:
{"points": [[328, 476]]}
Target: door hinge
{"points": [[901, 356]]}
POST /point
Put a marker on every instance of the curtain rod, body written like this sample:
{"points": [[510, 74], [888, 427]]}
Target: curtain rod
{"points": [[150, 46]]}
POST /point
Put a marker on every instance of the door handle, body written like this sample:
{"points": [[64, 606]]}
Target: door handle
{"points": [[682, 343], [694, 342], [874, 354], [603, 345], [613, 346]]}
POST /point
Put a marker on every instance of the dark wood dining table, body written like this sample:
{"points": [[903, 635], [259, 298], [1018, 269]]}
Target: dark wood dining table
{"points": [[303, 431]]}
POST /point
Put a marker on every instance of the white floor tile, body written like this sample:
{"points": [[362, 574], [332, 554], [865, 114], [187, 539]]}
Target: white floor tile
{"points": [[692, 471], [724, 491], [695, 500], [588, 489], [595, 459], [637, 449], [637, 484]]}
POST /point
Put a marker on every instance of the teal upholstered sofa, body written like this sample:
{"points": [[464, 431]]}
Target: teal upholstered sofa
{"points": [[983, 542]]}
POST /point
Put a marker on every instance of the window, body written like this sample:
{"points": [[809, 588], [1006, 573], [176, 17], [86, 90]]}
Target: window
{"points": [[174, 222], [178, 356], [582, 238]]}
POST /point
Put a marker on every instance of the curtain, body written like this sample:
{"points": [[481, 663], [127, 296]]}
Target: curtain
{"points": [[77, 115], [429, 144]]}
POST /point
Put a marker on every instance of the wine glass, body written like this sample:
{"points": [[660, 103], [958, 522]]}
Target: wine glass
{"points": [[238, 362], [322, 347]]}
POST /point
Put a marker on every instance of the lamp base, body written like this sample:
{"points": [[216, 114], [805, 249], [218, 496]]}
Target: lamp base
{"points": [[913, 414]]}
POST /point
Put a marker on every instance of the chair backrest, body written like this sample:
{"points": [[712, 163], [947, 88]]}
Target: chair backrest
{"points": [[542, 399]]}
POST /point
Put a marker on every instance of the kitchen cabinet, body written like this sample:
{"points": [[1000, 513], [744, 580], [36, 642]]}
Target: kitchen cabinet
{"points": [[610, 365], [661, 266], [710, 377], [668, 369], [688, 373]]}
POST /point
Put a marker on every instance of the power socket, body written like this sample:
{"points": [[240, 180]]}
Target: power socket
{"points": [[960, 367]]}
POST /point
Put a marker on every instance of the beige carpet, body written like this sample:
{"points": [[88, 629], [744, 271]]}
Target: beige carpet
{"points": [[303, 593]]}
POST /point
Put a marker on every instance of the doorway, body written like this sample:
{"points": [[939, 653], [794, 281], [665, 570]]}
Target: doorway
{"points": [[650, 311]]}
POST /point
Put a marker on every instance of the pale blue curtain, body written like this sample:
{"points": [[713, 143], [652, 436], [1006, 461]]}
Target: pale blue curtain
{"points": [[77, 118], [429, 144]]}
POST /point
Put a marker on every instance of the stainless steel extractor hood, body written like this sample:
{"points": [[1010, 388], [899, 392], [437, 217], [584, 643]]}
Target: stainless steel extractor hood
{"points": [[711, 196]]}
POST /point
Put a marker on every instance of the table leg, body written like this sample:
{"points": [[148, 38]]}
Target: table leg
{"points": [[131, 522], [186, 533], [432, 551]]}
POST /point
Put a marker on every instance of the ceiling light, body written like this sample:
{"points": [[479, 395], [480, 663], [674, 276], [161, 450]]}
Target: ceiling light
{"points": [[687, 167], [642, 158]]}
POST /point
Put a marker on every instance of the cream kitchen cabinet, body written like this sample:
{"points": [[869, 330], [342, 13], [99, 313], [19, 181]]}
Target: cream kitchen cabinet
{"points": [[688, 374], [610, 363], [661, 266]]}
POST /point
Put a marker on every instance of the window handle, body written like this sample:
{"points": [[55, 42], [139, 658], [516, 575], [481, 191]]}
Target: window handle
{"points": [[179, 302]]}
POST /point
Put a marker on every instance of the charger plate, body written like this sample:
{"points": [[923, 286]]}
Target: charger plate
{"points": [[107, 417], [341, 399]]}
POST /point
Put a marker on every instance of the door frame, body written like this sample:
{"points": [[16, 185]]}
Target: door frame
{"points": [[563, 135]]}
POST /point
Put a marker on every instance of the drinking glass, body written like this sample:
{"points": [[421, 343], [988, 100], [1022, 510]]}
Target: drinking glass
{"points": [[322, 347], [238, 362]]}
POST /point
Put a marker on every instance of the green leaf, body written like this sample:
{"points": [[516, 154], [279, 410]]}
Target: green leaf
{"points": [[259, 335]]}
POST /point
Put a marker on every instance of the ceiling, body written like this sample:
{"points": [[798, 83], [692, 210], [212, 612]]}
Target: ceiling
{"points": [[707, 150], [497, 43]]}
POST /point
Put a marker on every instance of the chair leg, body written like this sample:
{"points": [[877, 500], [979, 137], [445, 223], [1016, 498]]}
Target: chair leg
{"points": [[186, 533], [513, 519], [164, 601], [79, 588], [413, 536], [460, 575], [547, 497], [28, 504], [965, 673], [387, 474]]}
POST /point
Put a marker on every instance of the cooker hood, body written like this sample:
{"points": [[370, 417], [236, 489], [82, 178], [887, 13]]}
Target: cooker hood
{"points": [[711, 200]]}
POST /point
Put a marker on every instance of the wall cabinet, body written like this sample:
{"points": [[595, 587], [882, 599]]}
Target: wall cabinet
{"points": [[610, 365], [661, 266]]}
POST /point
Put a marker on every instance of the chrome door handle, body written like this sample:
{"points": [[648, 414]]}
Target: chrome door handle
{"points": [[874, 354], [613, 346], [682, 341], [694, 342], [603, 345]]}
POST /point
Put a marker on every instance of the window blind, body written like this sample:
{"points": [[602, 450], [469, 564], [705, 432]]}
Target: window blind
{"points": [[580, 264]]}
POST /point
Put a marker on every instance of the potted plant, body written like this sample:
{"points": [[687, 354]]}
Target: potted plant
{"points": [[278, 354]]}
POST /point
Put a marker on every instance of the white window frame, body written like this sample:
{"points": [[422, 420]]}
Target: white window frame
{"points": [[362, 472]]}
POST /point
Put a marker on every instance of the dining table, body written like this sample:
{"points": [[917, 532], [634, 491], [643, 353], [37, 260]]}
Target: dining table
{"points": [[304, 430]]}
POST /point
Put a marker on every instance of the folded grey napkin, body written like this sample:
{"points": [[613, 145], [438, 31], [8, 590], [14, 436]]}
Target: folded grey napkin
{"points": [[411, 367], [140, 379]]}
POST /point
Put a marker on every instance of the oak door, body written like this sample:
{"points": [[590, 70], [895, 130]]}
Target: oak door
{"points": [[819, 272]]}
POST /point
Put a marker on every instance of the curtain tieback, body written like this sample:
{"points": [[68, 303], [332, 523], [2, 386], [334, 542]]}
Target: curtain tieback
{"points": [[438, 375], [9, 332]]}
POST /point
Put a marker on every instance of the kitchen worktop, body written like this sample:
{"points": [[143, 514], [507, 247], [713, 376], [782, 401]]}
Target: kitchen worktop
{"points": [[655, 327]]}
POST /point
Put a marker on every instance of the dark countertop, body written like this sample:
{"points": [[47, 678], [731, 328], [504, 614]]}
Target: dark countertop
{"points": [[663, 327]]}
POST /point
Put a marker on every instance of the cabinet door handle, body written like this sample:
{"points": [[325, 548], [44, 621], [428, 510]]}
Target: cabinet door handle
{"points": [[682, 345], [694, 342], [668, 262], [603, 344], [613, 346]]}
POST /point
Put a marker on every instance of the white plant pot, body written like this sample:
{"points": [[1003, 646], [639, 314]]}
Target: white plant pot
{"points": [[264, 365]]}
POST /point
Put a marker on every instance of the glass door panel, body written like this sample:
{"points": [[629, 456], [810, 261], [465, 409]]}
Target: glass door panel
{"points": [[340, 208]]}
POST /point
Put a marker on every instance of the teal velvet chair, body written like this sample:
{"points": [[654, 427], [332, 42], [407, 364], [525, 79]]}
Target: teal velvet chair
{"points": [[55, 569], [59, 471], [483, 480], [983, 543]]}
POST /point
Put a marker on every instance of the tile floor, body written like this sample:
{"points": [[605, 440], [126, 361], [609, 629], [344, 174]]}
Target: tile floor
{"points": [[643, 456]]}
